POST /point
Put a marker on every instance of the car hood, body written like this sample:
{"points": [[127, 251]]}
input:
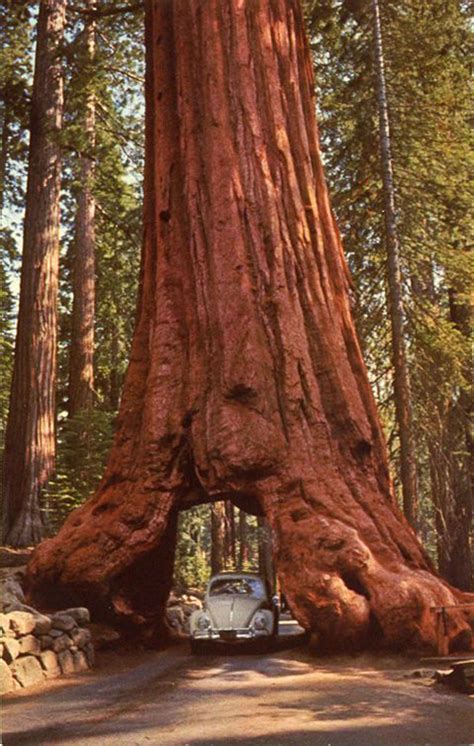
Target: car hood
{"points": [[232, 612]]}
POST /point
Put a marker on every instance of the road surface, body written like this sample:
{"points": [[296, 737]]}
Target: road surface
{"points": [[172, 698]]}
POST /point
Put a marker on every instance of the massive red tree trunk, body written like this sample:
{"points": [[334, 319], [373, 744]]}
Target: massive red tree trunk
{"points": [[246, 380], [30, 434]]}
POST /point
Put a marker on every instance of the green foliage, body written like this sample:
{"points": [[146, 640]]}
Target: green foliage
{"points": [[192, 560], [83, 445], [427, 64]]}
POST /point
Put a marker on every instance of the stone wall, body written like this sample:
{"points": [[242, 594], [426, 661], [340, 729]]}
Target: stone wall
{"points": [[36, 646], [179, 608]]}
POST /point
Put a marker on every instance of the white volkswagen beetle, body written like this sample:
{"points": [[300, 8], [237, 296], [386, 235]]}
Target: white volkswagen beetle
{"points": [[237, 606]]}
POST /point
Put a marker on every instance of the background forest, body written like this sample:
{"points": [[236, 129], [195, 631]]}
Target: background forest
{"points": [[427, 75]]}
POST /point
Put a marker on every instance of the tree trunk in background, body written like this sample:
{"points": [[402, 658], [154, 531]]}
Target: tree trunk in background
{"points": [[244, 554], [218, 561], [246, 381], [81, 362], [401, 376], [452, 466], [3, 159], [30, 434], [230, 543], [265, 557]]}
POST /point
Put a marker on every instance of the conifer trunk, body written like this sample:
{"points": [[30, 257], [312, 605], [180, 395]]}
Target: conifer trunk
{"points": [[401, 376], [81, 363], [218, 562], [243, 540], [30, 433], [246, 380]]}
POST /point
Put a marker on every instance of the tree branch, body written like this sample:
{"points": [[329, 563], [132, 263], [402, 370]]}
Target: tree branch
{"points": [[107, 10]]}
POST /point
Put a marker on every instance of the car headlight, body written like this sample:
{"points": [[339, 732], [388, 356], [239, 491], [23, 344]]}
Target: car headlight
{"points": [[203, 623], [259, 621]]}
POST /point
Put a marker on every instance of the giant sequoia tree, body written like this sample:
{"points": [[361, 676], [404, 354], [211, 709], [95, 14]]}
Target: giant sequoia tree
{"points": [[30, 434], [246, 380]]}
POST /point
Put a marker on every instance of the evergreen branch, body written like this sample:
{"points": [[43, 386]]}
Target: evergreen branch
{"points": [[107, 10]]}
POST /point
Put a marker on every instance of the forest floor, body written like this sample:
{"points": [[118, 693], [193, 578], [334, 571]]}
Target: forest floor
{"points": [[237, 696]]}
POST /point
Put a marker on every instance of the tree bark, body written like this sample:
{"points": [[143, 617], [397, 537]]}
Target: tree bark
{"points": [[246, 380], [218, 562], [401, 376], [230, 545], [30, 434], [265, 555], [81, 362], [452, 466], [244, 554]]}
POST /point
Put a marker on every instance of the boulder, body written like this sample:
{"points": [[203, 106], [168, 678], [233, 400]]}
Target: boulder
{"points": [[29, 644], [175, 616], [27, 670], [56, 632], [46, 642], [80, 614], [63, 622], [61, 643], [5, 627], [22, 622], [49, 664], [80, 637], [43, 624], [90, 654], [80, 661], [66, 661], [6, 678], [11, 649]]}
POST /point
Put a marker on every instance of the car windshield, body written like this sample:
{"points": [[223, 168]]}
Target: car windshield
{"points": [[237, 587]]}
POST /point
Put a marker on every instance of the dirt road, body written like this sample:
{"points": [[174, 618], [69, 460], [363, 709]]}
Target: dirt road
{"points": [[287, 697]]}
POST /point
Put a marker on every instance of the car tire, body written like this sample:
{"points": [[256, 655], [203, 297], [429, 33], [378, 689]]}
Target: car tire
{"points": [[198, 647]]}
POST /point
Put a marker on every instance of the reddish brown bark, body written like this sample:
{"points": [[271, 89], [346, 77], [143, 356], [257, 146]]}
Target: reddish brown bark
{"points": [[30, 434], [81, 363], [246, 380]]}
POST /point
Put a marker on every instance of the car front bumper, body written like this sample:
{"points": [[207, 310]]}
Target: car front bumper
{"points": [[230, 635]]}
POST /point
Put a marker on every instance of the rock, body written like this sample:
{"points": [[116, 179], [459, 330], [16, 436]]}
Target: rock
{"points": [[61, 643], [49, 664], [22, 622], [43, 624], [63, 622], [56, 632], [175, 616], [80, 661], [66, 661], [46, 642], [29, 644], [11, 649], [90, 654], [12, 585], [5, 627], [80, 637], [103, 636], [27, 670], [1, 649], [80, 614], [6, 678]]}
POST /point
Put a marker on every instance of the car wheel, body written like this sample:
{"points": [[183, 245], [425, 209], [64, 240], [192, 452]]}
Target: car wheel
{"points": [[198, 647]]}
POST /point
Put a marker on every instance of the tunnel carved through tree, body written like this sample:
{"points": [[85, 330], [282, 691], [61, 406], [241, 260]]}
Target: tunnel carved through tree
{"points": [[246, 380]]}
